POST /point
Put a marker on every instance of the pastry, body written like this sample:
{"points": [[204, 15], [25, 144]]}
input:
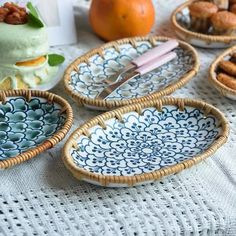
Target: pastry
{"points": [[200, 14], [227, 80], [221, 4], [224, 23], [24, 60], [228, 67], [233, 57], [233, 8], [231, 2]]}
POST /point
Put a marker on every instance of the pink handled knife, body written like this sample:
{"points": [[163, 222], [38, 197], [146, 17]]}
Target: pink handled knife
{"points": [[155, 53], [148, 56], [139, 71]]}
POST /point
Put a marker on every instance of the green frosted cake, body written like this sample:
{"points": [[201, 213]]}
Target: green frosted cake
{"points": [[24, 61]]}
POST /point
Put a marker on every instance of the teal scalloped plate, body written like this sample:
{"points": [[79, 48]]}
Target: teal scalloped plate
{"points": [[27, 125]]}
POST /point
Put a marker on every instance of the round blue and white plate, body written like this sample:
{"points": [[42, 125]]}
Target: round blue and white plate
{"points": [[138, 144], [83, 78]]}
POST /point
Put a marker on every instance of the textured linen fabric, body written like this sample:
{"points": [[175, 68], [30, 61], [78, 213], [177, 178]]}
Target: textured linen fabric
{"points": [[40, 197]]}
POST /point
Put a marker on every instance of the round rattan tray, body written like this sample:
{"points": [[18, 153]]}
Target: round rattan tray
{"points": [[223, 89], [194, 38]]}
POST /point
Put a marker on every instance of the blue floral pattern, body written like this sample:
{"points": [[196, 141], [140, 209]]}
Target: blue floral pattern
{"points": [[100, 68], [24, 125], [146, 143]]}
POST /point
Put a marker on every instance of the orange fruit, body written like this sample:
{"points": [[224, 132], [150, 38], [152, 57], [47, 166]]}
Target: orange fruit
{"points": [[115, 19]]}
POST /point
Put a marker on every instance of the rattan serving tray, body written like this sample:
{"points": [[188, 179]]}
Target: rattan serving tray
{"points": [[140, 143], [180, 21], [31, 122], [223, 89], [83, 75]]}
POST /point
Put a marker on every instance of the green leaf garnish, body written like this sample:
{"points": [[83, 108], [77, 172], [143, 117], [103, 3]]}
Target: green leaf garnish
{"points": [[55, 59], [34, 21], [32, 9], [33, 17]]}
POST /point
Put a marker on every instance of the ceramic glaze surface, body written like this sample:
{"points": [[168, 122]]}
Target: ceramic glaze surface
{"points": [[24, 125], [183, 19], [84, 81], [145, 143]]}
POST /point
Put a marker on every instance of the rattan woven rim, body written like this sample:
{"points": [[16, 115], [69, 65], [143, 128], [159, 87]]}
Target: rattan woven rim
{"points": [[49, 143], [190, 34], [224, 90], [80, 173], [81, 100]]}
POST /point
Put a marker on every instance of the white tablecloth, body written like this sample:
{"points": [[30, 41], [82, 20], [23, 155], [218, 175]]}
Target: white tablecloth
{"points": [[40, 197]]}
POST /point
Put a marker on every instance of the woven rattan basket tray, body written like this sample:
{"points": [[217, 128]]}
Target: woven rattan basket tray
{"points": [[83, 74], [224, 90], [198, 39], [31, 122], [143, 142]]}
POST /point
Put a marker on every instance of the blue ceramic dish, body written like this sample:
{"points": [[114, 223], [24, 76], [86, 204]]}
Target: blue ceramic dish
{"points": [[31, 122], [84, 77], [143, 146]]}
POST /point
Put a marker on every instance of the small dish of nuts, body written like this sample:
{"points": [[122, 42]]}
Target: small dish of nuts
{"points": [[13, 14]]}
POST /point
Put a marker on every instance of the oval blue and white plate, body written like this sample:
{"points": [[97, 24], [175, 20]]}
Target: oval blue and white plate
{"points": [[138, 144], [83, 78]]}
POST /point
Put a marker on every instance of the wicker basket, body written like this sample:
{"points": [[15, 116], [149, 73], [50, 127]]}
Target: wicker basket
{"points": [[198, 39], [224, 90]]}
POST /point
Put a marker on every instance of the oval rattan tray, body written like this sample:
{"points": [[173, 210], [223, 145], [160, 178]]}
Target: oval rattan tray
{"points": [[223, 89], [31, 122], [179, 19], [143, 142], [88, 70]]}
